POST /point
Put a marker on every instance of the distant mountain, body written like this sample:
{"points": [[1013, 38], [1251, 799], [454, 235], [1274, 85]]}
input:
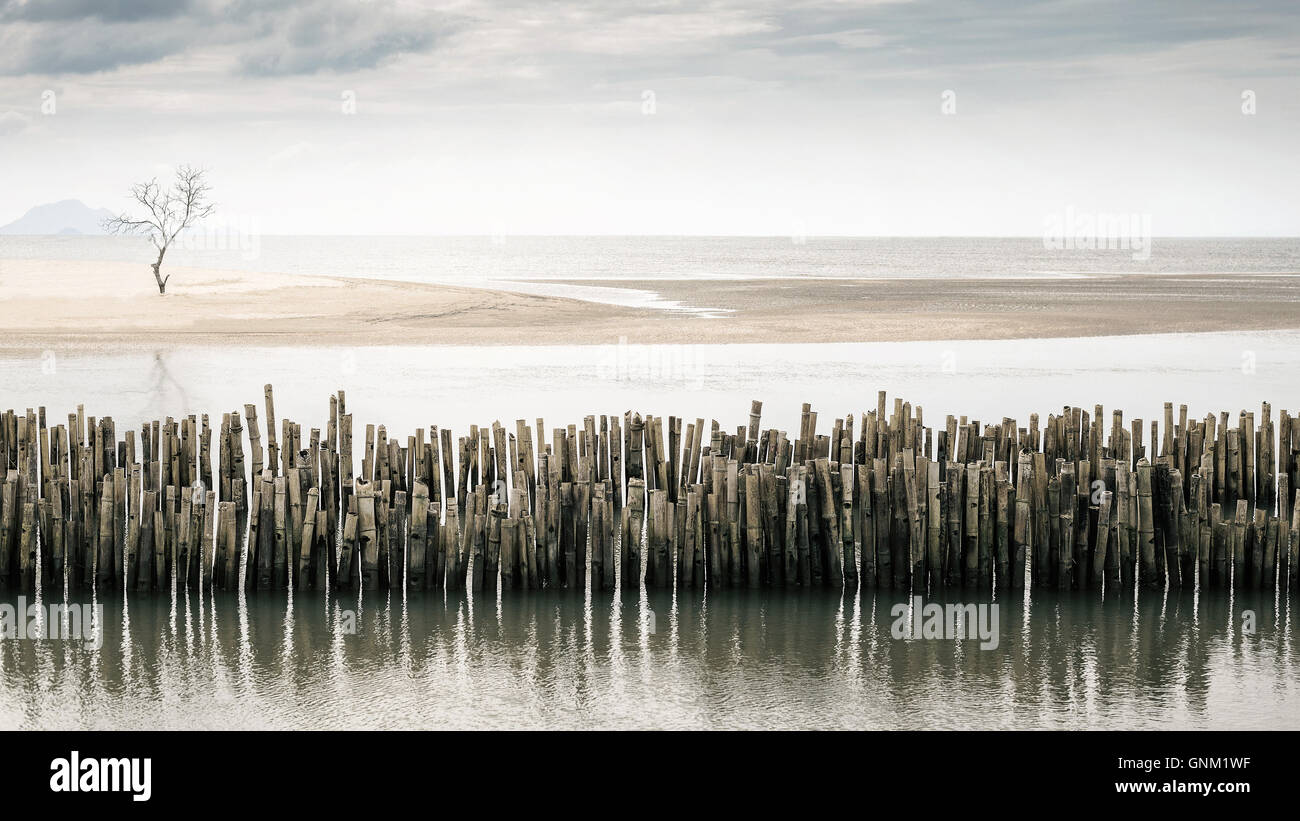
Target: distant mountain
{"points": [[66, 217]]}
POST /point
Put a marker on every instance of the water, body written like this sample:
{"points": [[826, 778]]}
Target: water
{"points": [[585, 268], [729, 659], [414, 387], [556, 659], [482, 260]]}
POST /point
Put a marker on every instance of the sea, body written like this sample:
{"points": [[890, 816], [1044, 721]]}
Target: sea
{"points": [[662, 659]]}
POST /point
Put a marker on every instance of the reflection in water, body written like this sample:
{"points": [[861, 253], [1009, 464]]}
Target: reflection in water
{"points": [[690, 658], [656, 659], [166, 388], [398, 386]]}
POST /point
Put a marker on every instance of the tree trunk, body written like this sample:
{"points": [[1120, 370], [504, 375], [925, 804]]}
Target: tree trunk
{"points": [[161, 280]]}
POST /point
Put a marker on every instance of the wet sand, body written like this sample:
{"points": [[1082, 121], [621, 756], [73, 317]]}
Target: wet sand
{"points": [[116, 305], [871, 310]]}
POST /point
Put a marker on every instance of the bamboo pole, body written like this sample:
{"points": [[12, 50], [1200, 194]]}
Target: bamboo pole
{"points": [[1146, 526]]}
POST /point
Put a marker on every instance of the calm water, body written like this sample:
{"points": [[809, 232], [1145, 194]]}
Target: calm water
{"points": [[477, 260], [533, 264], [414, 387], [738, 659], [792, 659], [795, 659]]}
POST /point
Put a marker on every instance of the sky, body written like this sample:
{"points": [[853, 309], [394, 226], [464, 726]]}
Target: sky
{"points": [[928, 117]]}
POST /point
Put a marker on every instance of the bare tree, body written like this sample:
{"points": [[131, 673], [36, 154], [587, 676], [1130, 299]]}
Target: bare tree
{"points": [[170, 211]]}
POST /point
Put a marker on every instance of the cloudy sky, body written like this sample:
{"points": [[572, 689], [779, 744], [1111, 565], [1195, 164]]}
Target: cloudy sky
{"points": [[387, 116]]}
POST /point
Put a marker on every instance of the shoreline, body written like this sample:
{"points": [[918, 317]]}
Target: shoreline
{"points": [[87, 305]]}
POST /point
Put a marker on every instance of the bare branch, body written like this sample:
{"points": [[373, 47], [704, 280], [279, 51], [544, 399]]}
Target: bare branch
{"points": [[122, 224], [170, 211]]}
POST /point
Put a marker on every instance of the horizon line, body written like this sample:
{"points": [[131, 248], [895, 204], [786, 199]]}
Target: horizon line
{"points": [[613, 235]]}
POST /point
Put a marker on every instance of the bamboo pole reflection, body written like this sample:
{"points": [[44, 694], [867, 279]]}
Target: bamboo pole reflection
{"points": [[655, 658]]}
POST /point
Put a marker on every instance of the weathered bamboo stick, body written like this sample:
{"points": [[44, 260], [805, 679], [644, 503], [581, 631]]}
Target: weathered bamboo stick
{"points": [[732, 512]]}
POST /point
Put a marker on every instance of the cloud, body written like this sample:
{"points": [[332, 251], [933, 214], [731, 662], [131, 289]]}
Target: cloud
{"points": [[340, 38], [568, 42], [11, 122], [269, 38], [81, 47], [292, 155], [104, 10]]}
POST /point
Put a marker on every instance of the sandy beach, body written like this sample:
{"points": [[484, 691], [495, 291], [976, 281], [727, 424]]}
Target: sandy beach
{"points": [[109, 305]]}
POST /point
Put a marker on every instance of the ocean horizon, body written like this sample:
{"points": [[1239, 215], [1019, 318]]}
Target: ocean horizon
{"points": [[474, 259]]}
